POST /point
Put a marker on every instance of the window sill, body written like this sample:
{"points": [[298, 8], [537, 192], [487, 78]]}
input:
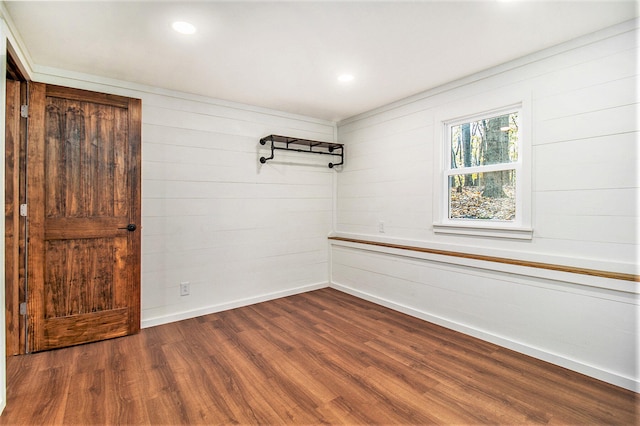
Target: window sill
{"points": [[484, 231]]}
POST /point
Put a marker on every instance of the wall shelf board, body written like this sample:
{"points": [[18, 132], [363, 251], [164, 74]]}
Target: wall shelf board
{"points": [[286, 143]]}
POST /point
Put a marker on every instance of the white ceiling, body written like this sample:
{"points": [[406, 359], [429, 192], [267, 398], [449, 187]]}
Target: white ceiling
{"points": [[287, 55]]}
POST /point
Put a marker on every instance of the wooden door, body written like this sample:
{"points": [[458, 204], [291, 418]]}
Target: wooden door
{"points": [[83, 191]]}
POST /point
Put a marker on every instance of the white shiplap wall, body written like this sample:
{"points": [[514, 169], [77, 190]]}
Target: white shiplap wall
{"points": [[584, 128], [238, 231]]}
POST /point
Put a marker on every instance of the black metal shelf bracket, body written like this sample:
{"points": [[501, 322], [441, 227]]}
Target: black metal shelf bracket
{"points": [[286, 143]]}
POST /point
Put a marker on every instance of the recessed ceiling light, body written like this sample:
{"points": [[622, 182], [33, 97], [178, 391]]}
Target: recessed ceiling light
{"points": [[184, 27], [345, 78]]}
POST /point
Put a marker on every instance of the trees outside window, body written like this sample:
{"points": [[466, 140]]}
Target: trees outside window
{"points": [[483, 169]]}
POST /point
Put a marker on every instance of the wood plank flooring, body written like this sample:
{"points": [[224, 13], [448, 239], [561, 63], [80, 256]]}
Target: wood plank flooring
{"points": [[319, 357]]}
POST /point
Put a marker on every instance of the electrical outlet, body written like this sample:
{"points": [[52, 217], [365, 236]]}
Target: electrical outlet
{"points": [[381, 227], [184, 288]]}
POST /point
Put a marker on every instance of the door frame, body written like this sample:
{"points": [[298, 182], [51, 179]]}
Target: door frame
{"points": [[15, 225]]}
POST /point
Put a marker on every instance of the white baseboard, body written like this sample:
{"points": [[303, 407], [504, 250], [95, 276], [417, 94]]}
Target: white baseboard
{"points": [[562, 361], [179, 316]]}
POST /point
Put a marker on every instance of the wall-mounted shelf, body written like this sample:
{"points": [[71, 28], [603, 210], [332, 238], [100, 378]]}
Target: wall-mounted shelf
{"points": [[286, 143]]}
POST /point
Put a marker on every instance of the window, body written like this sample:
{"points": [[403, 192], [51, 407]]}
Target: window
{"points": [[484, 185], [482, 177]]}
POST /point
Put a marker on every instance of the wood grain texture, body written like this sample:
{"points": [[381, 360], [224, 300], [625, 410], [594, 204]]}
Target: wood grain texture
{"points": [[82, 227], [83, 160], [22, 243], [517, 262], [134, 193], [12, 217], [35, 182], [319, 357], [88, 327], [87, 96], [79, 278]]}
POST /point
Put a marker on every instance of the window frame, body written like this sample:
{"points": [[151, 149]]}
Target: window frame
{"points": [[469, 110]]}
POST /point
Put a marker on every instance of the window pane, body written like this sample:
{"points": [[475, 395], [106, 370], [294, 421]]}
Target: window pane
{"points": [[487, 141], [485, 196]]}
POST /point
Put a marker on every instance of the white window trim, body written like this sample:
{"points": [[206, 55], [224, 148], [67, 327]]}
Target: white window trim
{"points": [[469, 108]]}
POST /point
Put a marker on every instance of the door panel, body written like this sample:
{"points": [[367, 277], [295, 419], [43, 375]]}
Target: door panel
{"points": [[83, 179]]}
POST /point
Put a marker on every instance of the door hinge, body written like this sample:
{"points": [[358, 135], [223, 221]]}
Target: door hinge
{"points": [[23, 210], [23, 308], [24, 111]]}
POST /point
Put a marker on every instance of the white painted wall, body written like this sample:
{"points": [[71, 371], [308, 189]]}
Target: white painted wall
{"points": [[239, 232], [585, 211]]}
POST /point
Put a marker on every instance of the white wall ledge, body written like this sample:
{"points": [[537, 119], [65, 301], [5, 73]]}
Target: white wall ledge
{"points": [[484, 231]]}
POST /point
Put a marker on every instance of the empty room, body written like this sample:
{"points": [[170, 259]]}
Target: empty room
{"points": [[317, 212]]}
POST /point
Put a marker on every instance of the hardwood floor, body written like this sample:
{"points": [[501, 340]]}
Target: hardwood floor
{"points": [[318, 357]]}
